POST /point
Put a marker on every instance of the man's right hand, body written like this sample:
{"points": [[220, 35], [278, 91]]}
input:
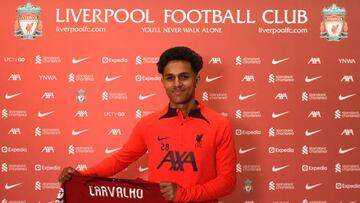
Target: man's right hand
{"points": [[67, 173]]}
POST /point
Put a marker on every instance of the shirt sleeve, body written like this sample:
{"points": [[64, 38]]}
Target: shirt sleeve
{"points": [[133, 149], [225, 181]]}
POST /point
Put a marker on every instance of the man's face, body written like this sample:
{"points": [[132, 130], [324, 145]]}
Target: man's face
{"points": [[179, 81]]}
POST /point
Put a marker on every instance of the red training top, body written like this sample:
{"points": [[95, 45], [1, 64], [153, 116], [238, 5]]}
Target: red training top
{"points": [[197, 153]]}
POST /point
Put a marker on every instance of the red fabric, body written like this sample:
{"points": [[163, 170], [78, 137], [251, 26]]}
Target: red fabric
{"points": [[95, 190], [197, 153]]}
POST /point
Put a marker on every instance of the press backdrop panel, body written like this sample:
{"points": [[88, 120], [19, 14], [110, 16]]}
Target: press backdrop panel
{"points": [[72, 95]]}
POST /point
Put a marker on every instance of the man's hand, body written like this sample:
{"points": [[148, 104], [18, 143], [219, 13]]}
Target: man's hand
{"points": [[168, 190], [67, 173]]}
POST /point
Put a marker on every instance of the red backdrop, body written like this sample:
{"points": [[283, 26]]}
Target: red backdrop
{"points": [[72, 95]]}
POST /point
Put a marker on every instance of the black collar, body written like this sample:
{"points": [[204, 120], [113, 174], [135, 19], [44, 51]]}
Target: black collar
{"points": [[195, 113]]}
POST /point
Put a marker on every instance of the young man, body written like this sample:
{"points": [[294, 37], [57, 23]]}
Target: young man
{"points": [[191, 150]]}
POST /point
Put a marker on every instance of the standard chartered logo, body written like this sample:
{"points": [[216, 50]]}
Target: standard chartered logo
{"points": [[38, 59], [4, 113], [71, 149], [138, 114], [38, 131], [271, 185], [305, 150], [4, 167], [337, 114], [338, 168], [238, 114], [138, 60], [205, 96], [105, 96], [238, 61], [305, 96], [238, 168], [37, 185], [271, 132], [271, 78], [71, 77]]}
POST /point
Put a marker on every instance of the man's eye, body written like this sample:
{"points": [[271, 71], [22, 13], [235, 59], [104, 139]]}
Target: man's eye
{"points": [[184, 77], [169, 78]]}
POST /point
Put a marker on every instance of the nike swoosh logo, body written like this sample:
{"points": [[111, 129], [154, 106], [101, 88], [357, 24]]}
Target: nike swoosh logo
{"points": [[74, 132], [307, 79], [109, 79], [278, 61], [276, 169], [44, 114], [246, 97], [207, 79], [276, 115], [8, 187], [141, 97], [309, 133], [309, 187], [7, 96], [243, 151], [162, 138], [141, 169], [343, 151], [109, 151], [74, 61], [341, 98]]}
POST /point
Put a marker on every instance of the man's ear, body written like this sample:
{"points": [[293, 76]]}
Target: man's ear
{"points": [[197, 80]]}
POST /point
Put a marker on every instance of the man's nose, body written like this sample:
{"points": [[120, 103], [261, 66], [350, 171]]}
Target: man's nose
{"points": [[177, 82]]}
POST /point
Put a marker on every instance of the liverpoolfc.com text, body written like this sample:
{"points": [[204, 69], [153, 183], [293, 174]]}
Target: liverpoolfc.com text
{"points": [[285, 30], [80, 29]]}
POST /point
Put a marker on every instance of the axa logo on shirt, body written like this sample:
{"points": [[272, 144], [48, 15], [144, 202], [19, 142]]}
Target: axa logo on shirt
{"points": [[177, 160]]}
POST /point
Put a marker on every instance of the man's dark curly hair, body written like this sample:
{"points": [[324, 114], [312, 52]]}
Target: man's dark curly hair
{"points": [[180, 53]]}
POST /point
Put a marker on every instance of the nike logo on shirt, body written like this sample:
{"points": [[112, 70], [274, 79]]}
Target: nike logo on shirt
{"points": [[161, 138]]}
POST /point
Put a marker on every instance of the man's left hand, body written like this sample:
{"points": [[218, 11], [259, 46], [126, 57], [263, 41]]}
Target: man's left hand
{"points": [[168, 190]]}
